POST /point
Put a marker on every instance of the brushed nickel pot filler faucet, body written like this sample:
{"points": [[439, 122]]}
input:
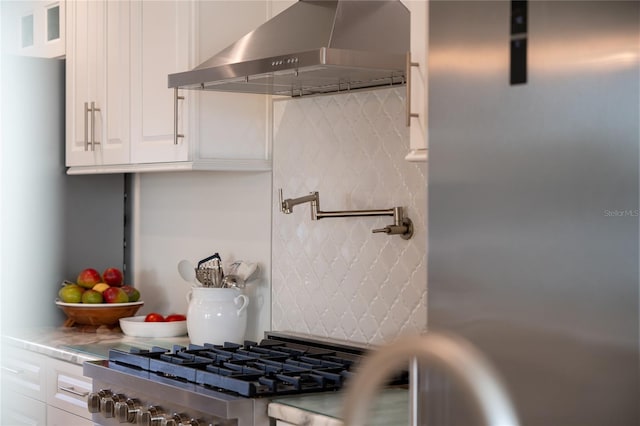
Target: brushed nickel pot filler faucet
{"points": [[401, 225]]}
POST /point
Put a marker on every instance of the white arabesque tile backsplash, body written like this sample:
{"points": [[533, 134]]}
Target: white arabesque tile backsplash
{"points": [[334, 277]]}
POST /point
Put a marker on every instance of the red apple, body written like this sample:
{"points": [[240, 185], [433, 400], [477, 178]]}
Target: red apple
{"points": [[88, 278], [115, 295], [113, 277], [134, 294]]}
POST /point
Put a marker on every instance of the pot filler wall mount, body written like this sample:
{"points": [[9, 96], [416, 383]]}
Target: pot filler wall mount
{"points": [[401, 225]]}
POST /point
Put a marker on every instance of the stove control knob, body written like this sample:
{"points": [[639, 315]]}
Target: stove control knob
{"points": [[173, 420], [179, 419], [170, 421], [94, 398], [108, 402], [127, 410], [150, 416]]}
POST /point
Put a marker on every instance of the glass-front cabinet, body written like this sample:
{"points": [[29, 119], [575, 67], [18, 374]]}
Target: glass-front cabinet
{"points": [[34, 28]]}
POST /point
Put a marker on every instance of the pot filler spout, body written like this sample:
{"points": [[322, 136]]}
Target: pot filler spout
{"points": [[312, 47], [401, 225]]}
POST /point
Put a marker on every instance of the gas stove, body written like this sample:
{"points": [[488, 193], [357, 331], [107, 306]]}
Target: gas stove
{"points": [[215, 384]]}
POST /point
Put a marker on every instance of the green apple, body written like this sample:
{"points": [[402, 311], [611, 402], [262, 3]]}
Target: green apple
{"points": [[92, 296], [71, 293]]}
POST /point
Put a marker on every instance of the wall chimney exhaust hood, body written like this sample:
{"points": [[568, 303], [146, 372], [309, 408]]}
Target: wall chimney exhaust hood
{"points": [[312, 47]]}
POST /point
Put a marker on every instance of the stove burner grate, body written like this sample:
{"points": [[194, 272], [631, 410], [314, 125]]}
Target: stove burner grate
{"points": [[252, 370]]}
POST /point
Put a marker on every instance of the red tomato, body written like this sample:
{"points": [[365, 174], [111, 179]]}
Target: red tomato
{"points": [[175, 317], [154, 317]]}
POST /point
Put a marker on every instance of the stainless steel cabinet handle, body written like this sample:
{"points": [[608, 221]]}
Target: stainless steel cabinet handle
{"points": [[72, 391], [176, 98], [12, 371], [86, 127], [408, 87], [94, 142]]}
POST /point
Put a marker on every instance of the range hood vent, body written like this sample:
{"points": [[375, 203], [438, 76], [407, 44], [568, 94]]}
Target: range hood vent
{"points": [[314, 46]]}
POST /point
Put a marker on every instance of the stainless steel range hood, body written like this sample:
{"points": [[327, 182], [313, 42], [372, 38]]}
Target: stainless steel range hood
{"points": [[314, 46]]}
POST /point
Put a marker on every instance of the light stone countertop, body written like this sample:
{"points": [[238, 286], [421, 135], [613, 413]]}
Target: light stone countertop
{"points": [[77, 344], [391, 408]]}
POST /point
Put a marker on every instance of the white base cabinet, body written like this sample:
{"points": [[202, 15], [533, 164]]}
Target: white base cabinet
{"points": [[67, 388], [58, 417], [24, 372], [20, 410], [39, 390]]}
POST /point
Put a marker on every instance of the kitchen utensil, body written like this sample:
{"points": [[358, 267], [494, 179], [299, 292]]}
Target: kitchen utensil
{"points": [[137, 327], [208, 262], [209, 271], [203, 275], [187, 271], [233, 281], [209, 277], [217, 273], [242, 269]]}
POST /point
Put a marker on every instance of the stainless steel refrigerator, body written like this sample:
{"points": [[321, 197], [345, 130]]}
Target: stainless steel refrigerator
{"points": [[533, 202]]}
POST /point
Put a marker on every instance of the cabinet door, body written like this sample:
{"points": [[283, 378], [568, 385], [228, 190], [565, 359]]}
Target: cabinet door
{"points": [[114, 85], [58, 417], [84, 24], [97, 83], [67, 388], [161, 43], [230, 125], [23, 372], [418, 85], [19, 410]]}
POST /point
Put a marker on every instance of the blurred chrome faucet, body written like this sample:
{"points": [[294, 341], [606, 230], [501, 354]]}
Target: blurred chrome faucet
{"points": [[456, 357]]}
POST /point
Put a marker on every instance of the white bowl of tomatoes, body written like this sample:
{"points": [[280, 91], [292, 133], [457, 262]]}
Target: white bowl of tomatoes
{"points": [[154, 325]]}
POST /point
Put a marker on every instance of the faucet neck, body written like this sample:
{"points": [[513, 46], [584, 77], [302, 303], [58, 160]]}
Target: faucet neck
{"points": [[452, 355]]}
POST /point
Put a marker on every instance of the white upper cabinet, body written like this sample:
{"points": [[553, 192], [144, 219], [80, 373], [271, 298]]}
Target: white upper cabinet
{"points": [[218, 131], [162, 43], [97, 83], [34, 28], [230, 125], [417, 88]]}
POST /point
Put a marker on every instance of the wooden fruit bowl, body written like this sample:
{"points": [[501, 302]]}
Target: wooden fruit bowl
{"points": [[97, 313]]}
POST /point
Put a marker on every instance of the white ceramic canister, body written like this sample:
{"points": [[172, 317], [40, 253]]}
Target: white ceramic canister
{"points": [[216, 315]]}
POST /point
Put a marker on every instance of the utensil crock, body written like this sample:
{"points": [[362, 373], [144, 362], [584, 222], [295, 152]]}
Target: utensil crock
{"points": [[216, 315]]}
